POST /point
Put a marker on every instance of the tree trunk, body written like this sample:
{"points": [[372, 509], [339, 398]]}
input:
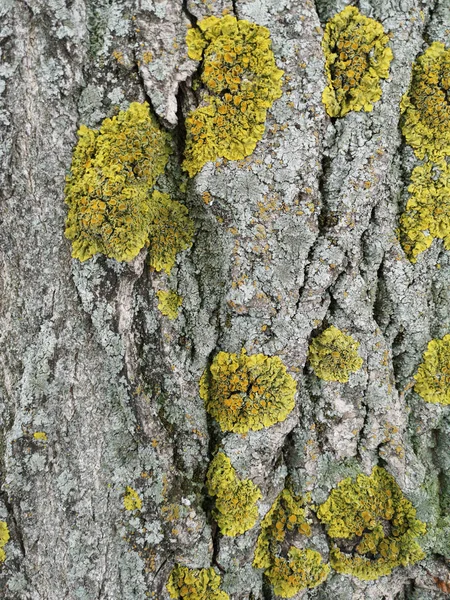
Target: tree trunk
{"points": [[299, 236]]}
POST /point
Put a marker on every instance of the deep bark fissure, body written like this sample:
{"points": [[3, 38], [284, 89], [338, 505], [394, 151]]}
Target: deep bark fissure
{"points": [[192, 18], [321, 224]]}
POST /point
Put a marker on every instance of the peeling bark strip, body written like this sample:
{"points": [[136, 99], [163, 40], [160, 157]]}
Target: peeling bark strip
{"points": [[110, 483]]}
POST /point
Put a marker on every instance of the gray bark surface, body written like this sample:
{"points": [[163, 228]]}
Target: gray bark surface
{"points": [[293, 239]]}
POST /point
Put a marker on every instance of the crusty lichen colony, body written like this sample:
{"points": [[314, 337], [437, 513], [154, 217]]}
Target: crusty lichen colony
{"points": [[195, 584], [131, 499], [170, 231], [426, 106], [169, 303], [112, 208], [235, 510], [241, 83], [373, 526], [427, 214], [426, 127], [108, 189], [433, 375], [334, 355], [357, 58], [294, 570], [247, 393], [4, 537]]}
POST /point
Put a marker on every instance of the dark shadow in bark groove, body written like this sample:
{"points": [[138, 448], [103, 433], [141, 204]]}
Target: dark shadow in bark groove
{"points": [[192, 18]]}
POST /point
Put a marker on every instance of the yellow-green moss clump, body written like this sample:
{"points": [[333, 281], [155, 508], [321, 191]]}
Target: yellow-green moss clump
{"points": [[241, 83], [374, 526], [426, 106], [4, 537], [427, 214], [246, 393], [195, 584], [169, 303], [433, 375], [334, 355], [112, 209], [357, 57], [236, 510], [301, 568], [131, 499]]}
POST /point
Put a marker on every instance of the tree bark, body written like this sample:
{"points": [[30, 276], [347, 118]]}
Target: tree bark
{"points": [[300, 235]]}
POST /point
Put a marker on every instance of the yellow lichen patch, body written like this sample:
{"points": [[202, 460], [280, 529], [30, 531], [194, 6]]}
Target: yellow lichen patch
{"points": [[147, 57], [196, 43], [170, 231], [4, 537], [236, 510], [426, 106], [373, 525], [108, 189], [334, 355], [241, 83], [40, 435], [357, 57], [427, 214], [433, 375], [286, 514], [246, 393], [426, 127], [131, 499], [195, 584], [300, 569], [118, 55], [169, 303]]}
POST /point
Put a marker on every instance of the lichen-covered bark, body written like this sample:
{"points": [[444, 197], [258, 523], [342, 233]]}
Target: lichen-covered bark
{"points": [[300, 235]]}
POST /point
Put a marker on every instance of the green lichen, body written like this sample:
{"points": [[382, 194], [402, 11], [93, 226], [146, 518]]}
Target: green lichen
{"points": [[4, 537], [334, 355], [241, 83], [246, 393], [111, 207], [433, 375], [40, 435], [131, 499], [426, 106], [357, 57], [301, 568], [170, 231], [169, 303], [195, 584], [236, 510], [373, 526], [427, 214]]}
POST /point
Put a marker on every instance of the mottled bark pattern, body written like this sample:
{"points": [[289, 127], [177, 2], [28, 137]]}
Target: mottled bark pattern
{"points": [[298, 236]]}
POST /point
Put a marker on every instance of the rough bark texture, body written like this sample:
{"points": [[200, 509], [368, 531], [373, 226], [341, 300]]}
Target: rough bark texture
{"points": [[293, 238]]}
